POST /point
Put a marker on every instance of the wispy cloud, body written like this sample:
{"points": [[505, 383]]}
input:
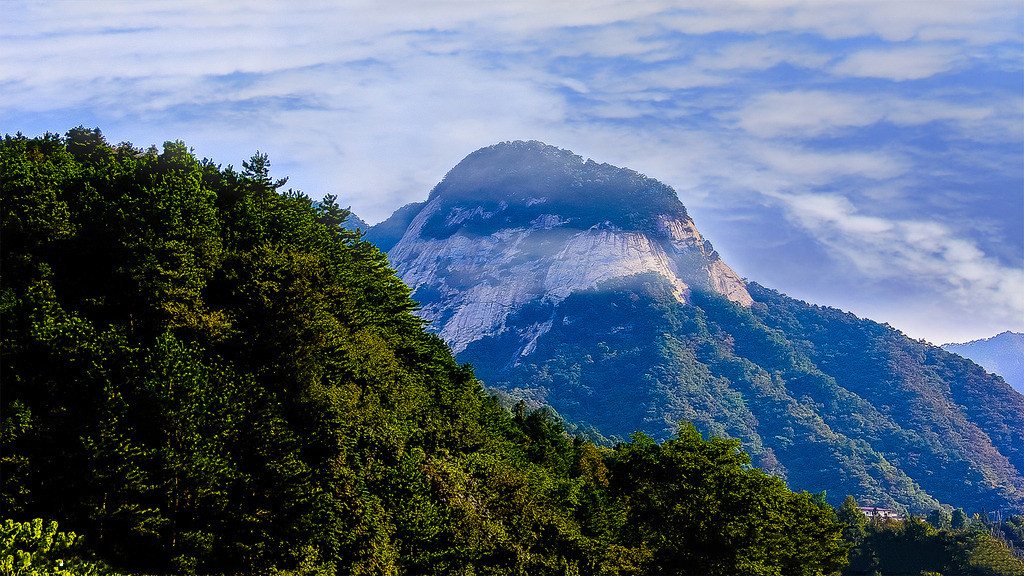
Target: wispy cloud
{"points": [[811, 114], [762, 55], [931, 255], [819, 168], [899, 64], [805, 114]]}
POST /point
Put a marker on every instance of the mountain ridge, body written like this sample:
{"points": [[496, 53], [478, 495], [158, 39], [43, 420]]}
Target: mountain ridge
{"points": [[1002, 354], [203, 375]]}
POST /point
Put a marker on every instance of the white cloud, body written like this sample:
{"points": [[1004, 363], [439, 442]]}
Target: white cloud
{"points": [[927, 252], [816, 168], [899, 64], [810, 114], [985, 22], [805, 114], [760, 55]]}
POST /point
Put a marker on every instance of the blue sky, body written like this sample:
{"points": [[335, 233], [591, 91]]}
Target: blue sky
{"points": [[867, 155]]}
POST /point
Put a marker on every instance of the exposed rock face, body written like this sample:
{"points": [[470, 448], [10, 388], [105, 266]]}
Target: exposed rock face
{"points": [[521, 222]]}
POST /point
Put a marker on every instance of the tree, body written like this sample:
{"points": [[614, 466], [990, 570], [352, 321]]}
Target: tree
{"points": [[330, 213], [853, 520], [940, 519], [36, 548], [959, 520], [699, 509], [916, 529]]}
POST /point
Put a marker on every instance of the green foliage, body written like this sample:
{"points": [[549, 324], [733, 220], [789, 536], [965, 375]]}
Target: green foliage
{"points": [[853, 520], [1012, 530], [959, 520], [698, 509], [627, 356], [36, 548], [204, 374], [912, 546], [940, 418], [940, 519]]}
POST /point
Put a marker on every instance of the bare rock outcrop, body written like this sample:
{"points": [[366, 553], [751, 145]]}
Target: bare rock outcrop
{"points": [[523, 222]]}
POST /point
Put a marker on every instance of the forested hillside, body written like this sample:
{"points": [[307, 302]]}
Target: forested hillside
{"points": [[953, 428], [202, 373], [943, 544]]}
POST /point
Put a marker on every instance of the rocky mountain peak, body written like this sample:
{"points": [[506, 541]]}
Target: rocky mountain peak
{"points": [[525, 180], [523, 222]]}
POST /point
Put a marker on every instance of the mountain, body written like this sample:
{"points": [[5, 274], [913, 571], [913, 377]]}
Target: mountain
{"points": [[1002, 354], [588, 288], [524, 223], [353, 222], [386, 234]]}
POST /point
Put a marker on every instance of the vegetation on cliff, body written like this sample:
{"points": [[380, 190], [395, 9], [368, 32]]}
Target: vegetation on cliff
{"points": [[561, 281]]}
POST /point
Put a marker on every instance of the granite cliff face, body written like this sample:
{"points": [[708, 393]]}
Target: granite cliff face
{"points": [[588, 288], [494, 237]]}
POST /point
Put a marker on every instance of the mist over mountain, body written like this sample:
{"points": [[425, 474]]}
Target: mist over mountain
{"points": [[1002, 354], [587, 287]]}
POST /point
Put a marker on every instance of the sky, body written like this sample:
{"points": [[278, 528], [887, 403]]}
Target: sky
{"points": [[866, 155]]}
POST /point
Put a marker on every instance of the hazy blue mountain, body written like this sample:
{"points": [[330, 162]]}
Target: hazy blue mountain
{"points": [[1002, 354], [354, 222], [387, 233], [588, 287]]}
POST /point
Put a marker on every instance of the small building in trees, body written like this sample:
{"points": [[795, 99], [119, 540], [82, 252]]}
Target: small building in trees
{"points": [[880, 513]]}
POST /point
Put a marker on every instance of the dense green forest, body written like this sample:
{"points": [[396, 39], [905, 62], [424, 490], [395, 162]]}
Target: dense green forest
{"points": [[204, 373], [942, 544]]}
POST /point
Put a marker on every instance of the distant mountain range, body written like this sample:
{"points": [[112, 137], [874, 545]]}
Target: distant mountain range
{"points": [[1002, 354], [588, 288]]}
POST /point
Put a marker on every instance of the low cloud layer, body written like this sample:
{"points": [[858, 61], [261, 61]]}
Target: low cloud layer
{"points": [[878, 140]]}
